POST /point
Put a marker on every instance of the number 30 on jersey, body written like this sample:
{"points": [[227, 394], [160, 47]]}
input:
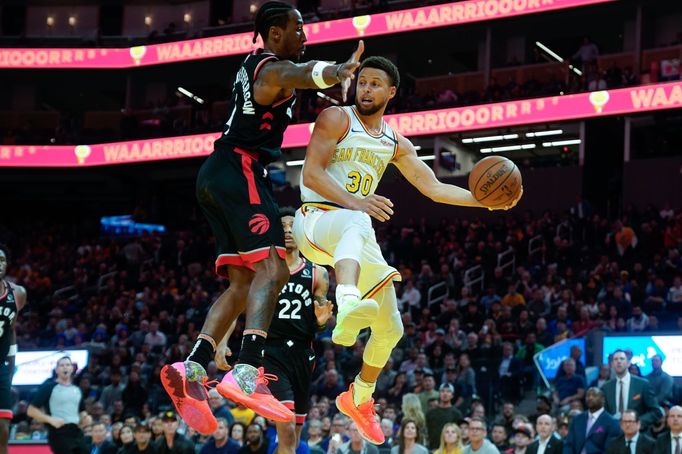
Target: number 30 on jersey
{"points": [[359, 182]]}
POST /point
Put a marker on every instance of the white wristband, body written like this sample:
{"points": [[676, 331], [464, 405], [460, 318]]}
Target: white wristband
{"points": [[317, 74], [12, 350]]}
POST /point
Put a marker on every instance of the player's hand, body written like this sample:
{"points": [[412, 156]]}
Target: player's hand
{"points": [[221, 354], [56, 422], [323, 311], [379, 207], [511, 204], [346, 71]]}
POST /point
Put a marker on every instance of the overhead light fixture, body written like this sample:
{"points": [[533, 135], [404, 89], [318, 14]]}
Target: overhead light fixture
{"points": [[190, 95], [148, 20], [557, 57], [294, 163], [490, 138], [429, 157], [525, 146], [50, 21], [253, 8], [560, 143], [187, 18], [551, 132], [417, 147], [72, 21]]}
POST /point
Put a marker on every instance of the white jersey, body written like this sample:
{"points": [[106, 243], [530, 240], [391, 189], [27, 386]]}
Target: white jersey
{"points": [[359, 160]]}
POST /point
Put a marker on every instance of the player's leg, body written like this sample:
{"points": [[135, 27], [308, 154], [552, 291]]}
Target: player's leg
{"points": [[279, 360], [4, 435], [345, 234], [357, 402]]}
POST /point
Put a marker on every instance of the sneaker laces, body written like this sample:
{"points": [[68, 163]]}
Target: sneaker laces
{"points": [[369, 416], [263, 378], [209, 384]]}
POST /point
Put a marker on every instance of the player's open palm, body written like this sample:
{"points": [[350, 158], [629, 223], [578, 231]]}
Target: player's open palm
{"points": [[347, 70], [379, 207], [221, 354], [323, 311]]}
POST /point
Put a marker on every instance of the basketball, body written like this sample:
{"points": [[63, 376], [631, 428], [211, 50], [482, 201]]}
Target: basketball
{"points": [[495, 181]]}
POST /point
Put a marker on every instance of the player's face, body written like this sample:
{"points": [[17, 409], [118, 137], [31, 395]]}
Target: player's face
{"points": [[373, 91], [287, 225], [293, 37], [3, 264]]}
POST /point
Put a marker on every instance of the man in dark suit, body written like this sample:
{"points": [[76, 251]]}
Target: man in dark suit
{"points": [[627, 392], [671, 442], [631, 442], [100, 444], [546, 443], [509, 374], [592, 429]]}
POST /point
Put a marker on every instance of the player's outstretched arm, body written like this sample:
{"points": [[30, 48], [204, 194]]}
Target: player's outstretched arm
{"points": [[286, 75], [331, 124], [422, 177]]}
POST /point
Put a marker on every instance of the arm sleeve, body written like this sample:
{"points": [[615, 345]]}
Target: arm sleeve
{"points": [[41, 399]]}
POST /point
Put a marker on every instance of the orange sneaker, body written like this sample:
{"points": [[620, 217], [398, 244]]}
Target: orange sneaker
{"points": [[247, 385], [364, 416], [186, 385]]}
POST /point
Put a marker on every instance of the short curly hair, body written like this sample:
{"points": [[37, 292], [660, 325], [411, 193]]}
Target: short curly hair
{"points": [[385, 65]]}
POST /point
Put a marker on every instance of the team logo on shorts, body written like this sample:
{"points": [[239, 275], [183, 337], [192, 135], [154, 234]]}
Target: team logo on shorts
{"points": [[259, 224]]}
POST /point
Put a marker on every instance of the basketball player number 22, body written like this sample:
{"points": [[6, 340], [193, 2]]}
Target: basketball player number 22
{"points": [[294, 305], [359, 183]]}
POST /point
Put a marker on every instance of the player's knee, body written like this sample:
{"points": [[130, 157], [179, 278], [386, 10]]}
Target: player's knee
{"points": [[286, 436], [389, 337], [361, 222]]}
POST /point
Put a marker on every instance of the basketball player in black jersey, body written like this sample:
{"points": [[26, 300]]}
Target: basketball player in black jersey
{"points": [[235, 194], [302, 311], [12, 300]]}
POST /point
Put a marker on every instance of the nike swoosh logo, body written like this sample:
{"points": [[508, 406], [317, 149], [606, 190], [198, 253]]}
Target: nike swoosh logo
{"points": [[311, 358], [353, 130]]}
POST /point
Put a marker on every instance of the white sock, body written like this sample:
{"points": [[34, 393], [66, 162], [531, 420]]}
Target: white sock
{"points": [[344, 290], [362, 391]]}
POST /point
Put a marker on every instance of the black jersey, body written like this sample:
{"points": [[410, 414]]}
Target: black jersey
{"points": [[252, 126], [8, 312], [294, 317]]}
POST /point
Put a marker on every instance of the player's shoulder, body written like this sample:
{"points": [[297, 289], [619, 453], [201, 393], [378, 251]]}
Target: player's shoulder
{"points": [[405, 146], [321, 271], [333, 114]]}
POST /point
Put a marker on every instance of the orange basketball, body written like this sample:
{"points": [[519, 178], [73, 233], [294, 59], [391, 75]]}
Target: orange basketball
{"points": [[495, 181]]}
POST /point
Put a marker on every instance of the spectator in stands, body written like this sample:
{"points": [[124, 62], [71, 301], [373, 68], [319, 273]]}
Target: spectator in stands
{"points": [[523, 436], [356, 444], [660, 381], [568, 388], [410, 299], [546, 442], [127, 439], [674, 297], [330, 387], [220, 442], [671, 442], [543, 336], [450, 440], [466, 381], [100, 444], [255, 441], [445, 412], [428, 391], [142, 445], [625, 391], [112, 392], [409, 439], [412, 409], [509, 374], [631, 440], [155, 338], [389, 434], [590, 431], [499, 437], [218, 407], [134, 395], [172, 441], [525, 355], [639, 320], [316, 440], [575, 354], [237, 430], [587, 54], [478, 443]]}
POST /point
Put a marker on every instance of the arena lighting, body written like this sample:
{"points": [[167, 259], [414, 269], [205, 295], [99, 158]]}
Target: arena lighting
{"points": [[72, 21], [148, 20], [561, 142], [557, 57], [187, 18], [407, 20], [551, 132], [295, 162], [490, 138], [50, 21], [525, 146], [327, 98], [190, 95]]}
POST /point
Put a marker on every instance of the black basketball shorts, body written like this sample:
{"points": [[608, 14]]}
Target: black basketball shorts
{"points": [[235, 193], [293, 365], [5, 391]]}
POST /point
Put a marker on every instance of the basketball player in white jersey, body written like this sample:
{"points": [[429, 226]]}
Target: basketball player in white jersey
{"points": [[348, 153]]}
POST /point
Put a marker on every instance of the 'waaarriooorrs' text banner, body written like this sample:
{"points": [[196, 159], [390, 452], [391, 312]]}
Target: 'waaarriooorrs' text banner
{"points": [[320, 32], [459, 119]]}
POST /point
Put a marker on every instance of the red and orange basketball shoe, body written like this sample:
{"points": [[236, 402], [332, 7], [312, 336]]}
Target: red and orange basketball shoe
{"points": [[186, 385], [364, 416], [247, 385]]}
